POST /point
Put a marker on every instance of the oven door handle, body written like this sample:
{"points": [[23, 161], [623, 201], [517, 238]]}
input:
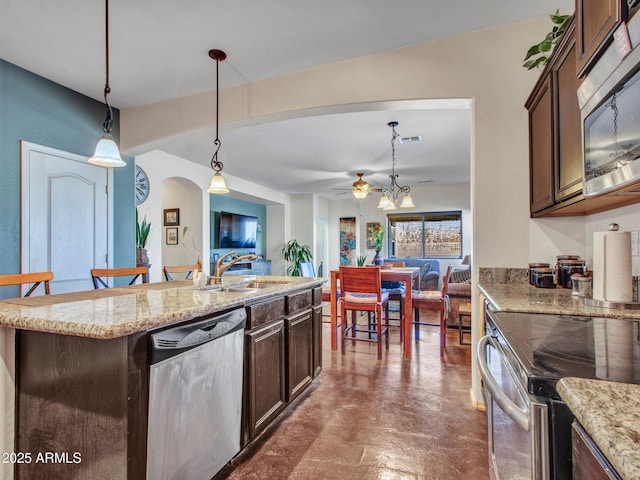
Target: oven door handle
{"points": [[513, 411]]}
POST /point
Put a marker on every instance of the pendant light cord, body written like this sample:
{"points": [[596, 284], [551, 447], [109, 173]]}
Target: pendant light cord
{"points": [[215, 163], [108, 122]]}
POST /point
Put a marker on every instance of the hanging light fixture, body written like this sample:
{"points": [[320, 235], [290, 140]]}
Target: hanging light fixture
{"points": [[217, 184], [107, 153], [391, 193], [360, 187]]}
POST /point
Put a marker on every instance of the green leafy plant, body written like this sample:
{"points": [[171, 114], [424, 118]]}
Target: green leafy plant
{"points": [[538, 55], [362, 259], [376, 237], [142, 231], [296, 254]]}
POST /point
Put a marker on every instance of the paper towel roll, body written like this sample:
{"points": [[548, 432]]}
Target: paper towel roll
{"points": [[612, 281]]}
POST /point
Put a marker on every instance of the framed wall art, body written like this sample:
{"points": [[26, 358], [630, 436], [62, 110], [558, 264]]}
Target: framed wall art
{"points": [[347, 240], [171, 217], [172, 235]]}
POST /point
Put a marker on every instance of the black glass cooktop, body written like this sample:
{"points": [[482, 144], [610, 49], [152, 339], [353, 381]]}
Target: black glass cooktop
{"points": [[546, 348]]}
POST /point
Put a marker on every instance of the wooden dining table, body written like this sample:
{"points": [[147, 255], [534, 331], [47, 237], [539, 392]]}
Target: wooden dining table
{"points": [[410, 276]]}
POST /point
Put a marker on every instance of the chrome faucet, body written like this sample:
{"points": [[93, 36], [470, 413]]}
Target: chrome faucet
{"points": [[220, 268]]}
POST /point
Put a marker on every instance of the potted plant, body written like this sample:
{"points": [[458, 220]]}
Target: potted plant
{"points": [[296, 254], [538, 54], [142, 235], [376, 237], [362, 259]]}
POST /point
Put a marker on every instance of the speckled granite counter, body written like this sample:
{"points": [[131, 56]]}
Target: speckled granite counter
{"points": [[609, 413], [522, 297], [121, 311]]}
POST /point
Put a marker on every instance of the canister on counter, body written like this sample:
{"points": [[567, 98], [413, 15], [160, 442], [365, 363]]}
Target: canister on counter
{"points": [[566, 268], [543, 278], [585, 286], [532, 266]]}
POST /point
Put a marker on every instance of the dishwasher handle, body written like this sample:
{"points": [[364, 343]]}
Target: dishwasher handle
{"points": [[173, 341]]}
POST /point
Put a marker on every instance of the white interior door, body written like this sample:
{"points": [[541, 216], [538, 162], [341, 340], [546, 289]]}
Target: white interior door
{"points": [[64, 216]]}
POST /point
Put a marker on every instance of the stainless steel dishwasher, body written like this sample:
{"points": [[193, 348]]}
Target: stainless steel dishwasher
{"points": [[195, 397]]}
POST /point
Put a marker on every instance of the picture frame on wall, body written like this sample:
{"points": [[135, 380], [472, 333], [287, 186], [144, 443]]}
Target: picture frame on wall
{"points": [[172, 236], [171, 217], [376, 226]]}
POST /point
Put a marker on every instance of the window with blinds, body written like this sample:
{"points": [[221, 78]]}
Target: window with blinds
{"points": [[427, 234]]}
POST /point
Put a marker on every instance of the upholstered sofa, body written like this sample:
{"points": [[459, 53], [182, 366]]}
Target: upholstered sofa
{"points": [[429, 270], [459, 291]]}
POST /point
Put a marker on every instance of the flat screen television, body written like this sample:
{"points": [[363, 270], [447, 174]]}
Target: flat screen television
{"points": [[237, 231]]}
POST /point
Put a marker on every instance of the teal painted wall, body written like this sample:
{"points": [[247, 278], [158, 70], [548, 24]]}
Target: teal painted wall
{"points": [[38, 110], [220, 203]]}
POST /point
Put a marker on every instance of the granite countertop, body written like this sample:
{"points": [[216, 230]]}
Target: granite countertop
{"points": [[120, 311], [608, 411], [522, 297]]}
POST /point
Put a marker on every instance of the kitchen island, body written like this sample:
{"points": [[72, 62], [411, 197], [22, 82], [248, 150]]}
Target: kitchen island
{"points": [[78, 367]]}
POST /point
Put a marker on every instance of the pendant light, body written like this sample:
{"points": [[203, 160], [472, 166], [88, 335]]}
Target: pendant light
{"points": [[107, 153], [391, 193], [217, 184]]}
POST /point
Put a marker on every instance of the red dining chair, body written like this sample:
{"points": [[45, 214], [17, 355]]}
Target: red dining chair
{"points": [[361, 291], [432, 300]]}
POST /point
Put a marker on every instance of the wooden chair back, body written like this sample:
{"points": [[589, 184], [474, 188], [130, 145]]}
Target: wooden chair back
{"points": [[445, 281], [360, 280], [25, 278], [167, 270], [99, 274]]}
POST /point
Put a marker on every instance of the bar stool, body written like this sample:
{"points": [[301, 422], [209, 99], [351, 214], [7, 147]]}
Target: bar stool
{"points": [[98, 275], [167, 270], [433, 300], [24, 278], [361, 291]]}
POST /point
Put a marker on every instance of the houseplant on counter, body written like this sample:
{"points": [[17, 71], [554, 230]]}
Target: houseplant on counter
{"points": [[376, 237], [142, 235], [295, 254]]}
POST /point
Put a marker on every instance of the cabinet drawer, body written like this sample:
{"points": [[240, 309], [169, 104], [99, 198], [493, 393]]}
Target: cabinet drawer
{"points": [[298, 301], [316, 296], [264, 312]]}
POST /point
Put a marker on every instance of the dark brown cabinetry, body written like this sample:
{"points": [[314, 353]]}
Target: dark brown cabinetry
{"points": [[265, 388], [281, 351], [588, 461], [555, 138], [316, 312], [596, 22], [299, 352]]}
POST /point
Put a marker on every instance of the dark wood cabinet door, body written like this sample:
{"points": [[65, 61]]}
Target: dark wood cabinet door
{"points": [[299, 353], [596, 22], [265, 387], [316, 312], [541, 146], [588, 461], [568, 132]]}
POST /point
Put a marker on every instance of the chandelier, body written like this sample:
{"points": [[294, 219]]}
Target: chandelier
{"points": [[391, 193], [217, 184]]}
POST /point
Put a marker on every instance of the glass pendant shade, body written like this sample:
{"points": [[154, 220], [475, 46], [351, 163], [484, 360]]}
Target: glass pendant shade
{"points": [[407, 202], [391, 206], [359, 194], [107, 153], [385, 203], [217, 185]]}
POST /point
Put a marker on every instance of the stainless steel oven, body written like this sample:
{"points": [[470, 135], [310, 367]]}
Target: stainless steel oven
{"points": [[517, 421], [521, 358]]}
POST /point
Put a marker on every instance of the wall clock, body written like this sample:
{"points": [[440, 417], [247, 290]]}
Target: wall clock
{"points": [[142, 185]]}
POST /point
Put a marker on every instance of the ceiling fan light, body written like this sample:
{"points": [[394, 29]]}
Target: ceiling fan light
{"points": [[407, 202], [359, 194], [107, 153], [217, 185]]}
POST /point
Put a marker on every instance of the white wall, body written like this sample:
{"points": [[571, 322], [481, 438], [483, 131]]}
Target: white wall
{"points": [[159, 167]]}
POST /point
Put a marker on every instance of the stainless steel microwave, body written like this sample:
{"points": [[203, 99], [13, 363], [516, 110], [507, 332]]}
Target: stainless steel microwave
{"points": [[609, 100]]}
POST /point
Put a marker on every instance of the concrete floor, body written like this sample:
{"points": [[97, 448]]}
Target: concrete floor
{"points": [[389, 419]]}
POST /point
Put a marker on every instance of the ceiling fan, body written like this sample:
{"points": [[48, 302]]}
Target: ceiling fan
{"points": [[360, 188]]}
